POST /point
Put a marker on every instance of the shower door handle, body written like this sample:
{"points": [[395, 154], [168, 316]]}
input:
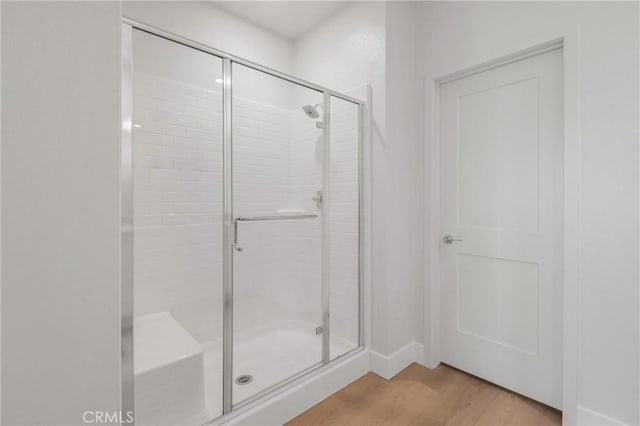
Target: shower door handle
{"points": [[263, 218], [281, 217], [235, 245]]}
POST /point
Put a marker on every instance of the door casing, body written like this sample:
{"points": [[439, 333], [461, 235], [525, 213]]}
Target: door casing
{"points": [[569, 42]]}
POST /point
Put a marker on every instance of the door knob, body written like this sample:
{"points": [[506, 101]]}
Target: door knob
{"points": [[448, 239]]}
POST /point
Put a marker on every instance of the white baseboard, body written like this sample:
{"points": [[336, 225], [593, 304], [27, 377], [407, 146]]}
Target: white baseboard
{"points": [[288, 404], [389, 366], [588, 417]]}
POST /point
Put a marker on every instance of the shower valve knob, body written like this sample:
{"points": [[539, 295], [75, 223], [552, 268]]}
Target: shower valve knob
{"points": [[318, 199]]}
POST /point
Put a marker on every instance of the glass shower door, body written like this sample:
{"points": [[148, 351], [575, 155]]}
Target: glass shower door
{"points": [[277, 175]]}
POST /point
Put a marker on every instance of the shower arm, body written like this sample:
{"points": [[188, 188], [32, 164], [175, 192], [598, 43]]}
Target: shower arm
{"points": [[263, 218]]}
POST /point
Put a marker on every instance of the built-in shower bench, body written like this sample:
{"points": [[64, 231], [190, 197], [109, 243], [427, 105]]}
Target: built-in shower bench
{"points": [[168, 371]]}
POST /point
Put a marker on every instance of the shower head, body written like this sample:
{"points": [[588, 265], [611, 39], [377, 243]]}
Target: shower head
{"points": [[312, 110]]}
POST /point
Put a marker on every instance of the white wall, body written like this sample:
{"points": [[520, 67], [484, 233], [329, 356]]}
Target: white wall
{"points": [[457, 35], [60, 211], [344, 52], [373, 43], [207, 24], [404, 195]]}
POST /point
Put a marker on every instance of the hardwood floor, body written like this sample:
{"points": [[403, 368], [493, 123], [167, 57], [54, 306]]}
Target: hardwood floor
{"points": [[419, 396]]}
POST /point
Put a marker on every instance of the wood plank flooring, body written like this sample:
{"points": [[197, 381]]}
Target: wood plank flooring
{"points": [[419, 396]]}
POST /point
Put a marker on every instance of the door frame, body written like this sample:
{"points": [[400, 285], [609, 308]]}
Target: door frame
{"points": [[569, 42]]}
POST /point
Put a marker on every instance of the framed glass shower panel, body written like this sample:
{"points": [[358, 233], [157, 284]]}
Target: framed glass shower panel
{"points": [[344, 226], [177, 232]]}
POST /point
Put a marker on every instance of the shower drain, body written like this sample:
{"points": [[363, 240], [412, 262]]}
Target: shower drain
{"points": [[244, 379]]}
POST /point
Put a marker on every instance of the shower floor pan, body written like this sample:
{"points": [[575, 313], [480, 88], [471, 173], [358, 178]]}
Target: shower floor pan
{"points": [[179, 382], [270, 354]]}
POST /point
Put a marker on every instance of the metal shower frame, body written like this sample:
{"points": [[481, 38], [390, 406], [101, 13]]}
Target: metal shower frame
{"points": [[126, 174]]}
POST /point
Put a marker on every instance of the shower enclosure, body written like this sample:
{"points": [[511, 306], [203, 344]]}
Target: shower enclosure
{"points": [[242, 229]]}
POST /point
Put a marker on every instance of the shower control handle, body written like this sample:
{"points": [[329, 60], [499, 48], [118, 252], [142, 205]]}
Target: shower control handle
{"points": [[318, 199], [448, 239]]}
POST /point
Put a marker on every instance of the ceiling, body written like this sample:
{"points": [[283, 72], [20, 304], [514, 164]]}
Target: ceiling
{"points": [[289, 19]]}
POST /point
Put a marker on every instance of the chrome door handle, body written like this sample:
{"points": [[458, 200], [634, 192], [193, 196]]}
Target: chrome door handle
{"points": [[448, 239], [235, 245]]}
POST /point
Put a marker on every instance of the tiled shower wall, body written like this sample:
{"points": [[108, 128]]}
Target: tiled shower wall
{"points": [[178, 203], [277, 170]]}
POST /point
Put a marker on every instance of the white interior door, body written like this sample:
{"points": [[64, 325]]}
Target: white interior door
{"points": [[501, 203]]}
